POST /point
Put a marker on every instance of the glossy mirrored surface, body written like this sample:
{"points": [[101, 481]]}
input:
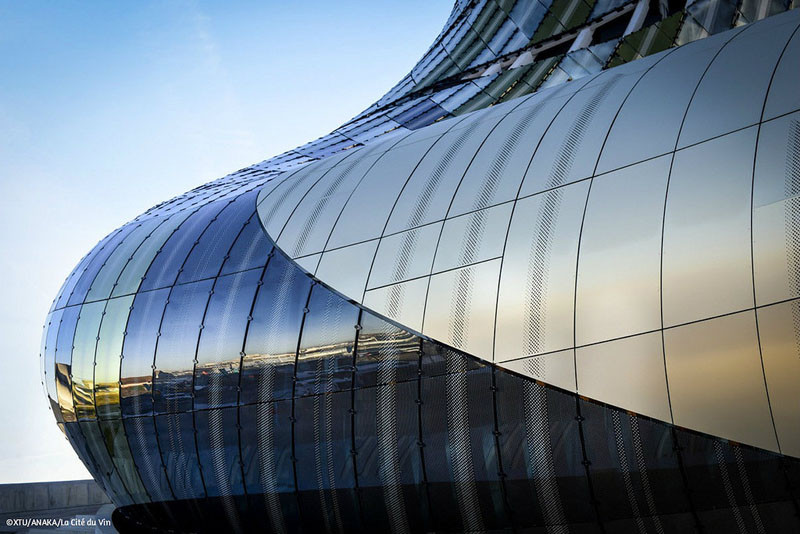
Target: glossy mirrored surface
{"points": [[776, 211], [537, 281], [732, 92], [627, 372], [619, 264], [779, 334], [716, 382], [707, 268], [460, 308]]}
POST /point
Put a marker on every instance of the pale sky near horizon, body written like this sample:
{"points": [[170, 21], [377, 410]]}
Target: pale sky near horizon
{"points": [[109, 108]]}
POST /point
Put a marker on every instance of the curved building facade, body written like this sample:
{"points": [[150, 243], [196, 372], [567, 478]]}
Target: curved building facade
{"points": [[549, 282]]}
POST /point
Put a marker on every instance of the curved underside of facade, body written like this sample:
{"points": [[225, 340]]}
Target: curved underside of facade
{"points": [[548, 282]]}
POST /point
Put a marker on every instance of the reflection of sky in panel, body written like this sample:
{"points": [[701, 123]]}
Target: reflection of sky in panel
{"points": [[152, 102], [107, 357], [272, 337], [177, 345], [164, 269], [96, 262], [207, 256]]}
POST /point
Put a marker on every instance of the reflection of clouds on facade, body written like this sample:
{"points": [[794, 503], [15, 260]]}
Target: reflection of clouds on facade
{"points": [[504, 312]]}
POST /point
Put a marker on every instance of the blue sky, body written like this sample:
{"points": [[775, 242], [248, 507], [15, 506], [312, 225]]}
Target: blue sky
{"points": [[107, 108]]}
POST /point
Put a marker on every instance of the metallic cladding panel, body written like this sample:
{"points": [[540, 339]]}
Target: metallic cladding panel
{"points": [[732, 92], [716, 381], [619, 268], [707, 268], [535, 307], [776, 211], [249, 395], [783, 97], [643, 130]]}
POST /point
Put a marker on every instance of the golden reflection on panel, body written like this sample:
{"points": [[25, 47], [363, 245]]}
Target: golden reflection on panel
{"points": [[109, 349], [716, 384], [628, 373], [460, 308], [779, 331], [620, 255], [707, 267], [776, 211], [84, 346], [556, 368], [64, 392]]}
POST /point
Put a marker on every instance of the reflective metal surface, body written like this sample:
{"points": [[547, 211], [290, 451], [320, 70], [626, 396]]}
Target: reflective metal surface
{"points": [[472, 308]]}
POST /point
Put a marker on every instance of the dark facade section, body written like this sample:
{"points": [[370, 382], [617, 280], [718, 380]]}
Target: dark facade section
{"points": [[340, 421]]}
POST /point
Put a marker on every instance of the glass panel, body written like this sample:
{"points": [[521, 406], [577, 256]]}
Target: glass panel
{"points": [[779, 333], [390, 476], [376, 194], [86, 335], [218, 442], [117, 445], [145, 451], [267, 452], [176, 439], [404, 302], [139, 352], [107, 358], [461, 306], [404, 255], [99, 255], [213, 245], [325, 479], [49, 357], [346, 269], [496, 171], [783, 95], [628, 373], [164, 269], [177, 344], [707, 265], [471, 238], [632, 464], [776, 211], [325, 358], [250, 249], [75, 437], [716, 383], [386, 354], [95, 445], [571, 147], [462, 487], [720, 476], [311, 223], [63, 357], [106, 278], [732, 92], [216, 380], [642, 130], [131, 275], [619, 268], [69, 284], [430, 189], [271, 346], [537, 283], [540, 445]]}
